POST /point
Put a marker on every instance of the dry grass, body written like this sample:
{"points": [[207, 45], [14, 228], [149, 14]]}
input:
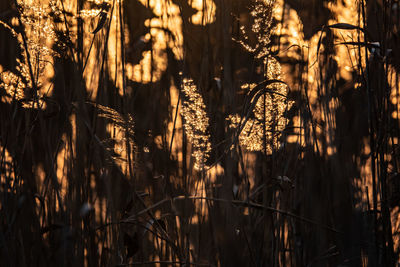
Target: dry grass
{"points": [[204, 133]]}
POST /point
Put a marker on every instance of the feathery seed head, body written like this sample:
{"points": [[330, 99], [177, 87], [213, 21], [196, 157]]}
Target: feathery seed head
{"points": [[196, 123]]}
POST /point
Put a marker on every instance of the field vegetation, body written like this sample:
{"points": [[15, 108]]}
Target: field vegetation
{"points": [[199, 133]]}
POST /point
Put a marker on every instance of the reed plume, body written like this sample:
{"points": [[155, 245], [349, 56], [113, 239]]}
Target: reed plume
{"points": [[196, 123]]}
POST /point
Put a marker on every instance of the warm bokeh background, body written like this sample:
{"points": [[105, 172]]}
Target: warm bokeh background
{"points": [[199, 132]]}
